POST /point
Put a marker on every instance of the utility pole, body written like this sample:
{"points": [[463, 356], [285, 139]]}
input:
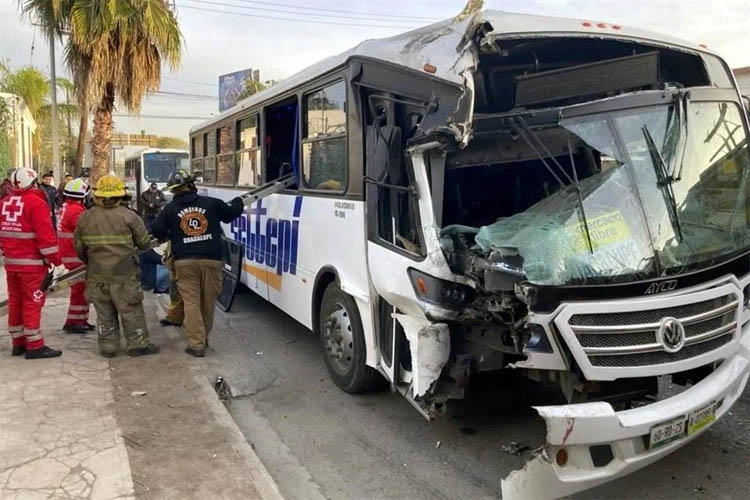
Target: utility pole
{"points": [[53, 94]]}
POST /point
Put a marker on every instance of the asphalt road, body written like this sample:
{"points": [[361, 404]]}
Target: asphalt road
{"points": [[317, 441]]}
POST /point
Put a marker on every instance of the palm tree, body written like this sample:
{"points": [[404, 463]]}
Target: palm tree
{"points": [[29, 83], [114, 49]]}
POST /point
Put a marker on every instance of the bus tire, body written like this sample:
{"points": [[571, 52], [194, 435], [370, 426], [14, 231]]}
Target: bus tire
{"points": [[343, 342]]}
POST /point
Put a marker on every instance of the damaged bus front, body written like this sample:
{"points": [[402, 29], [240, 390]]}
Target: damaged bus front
{"points": [[585, 219]]}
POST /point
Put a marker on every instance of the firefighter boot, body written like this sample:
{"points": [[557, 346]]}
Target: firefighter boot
{"points": [[198, 353], [143, 351], [18, 350], [42, 353]]}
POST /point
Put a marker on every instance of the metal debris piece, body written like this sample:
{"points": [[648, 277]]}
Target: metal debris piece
{"points": [[514, 448], [222, 388]]}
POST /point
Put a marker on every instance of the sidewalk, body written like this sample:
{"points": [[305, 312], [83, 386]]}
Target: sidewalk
{"points": [[71, 427]]}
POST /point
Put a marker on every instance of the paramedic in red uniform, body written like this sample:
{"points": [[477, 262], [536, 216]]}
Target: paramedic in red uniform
{"points": [[29, 245], [74, 196]]}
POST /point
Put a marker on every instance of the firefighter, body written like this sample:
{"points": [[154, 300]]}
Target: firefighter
{"points": [[193, 225], [107, 239], [29, 245], [176, 309], [74, 195], [152, 201]]}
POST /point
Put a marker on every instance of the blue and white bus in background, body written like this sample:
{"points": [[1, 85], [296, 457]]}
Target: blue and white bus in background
{"points": [[153, 165], [565, 198]]}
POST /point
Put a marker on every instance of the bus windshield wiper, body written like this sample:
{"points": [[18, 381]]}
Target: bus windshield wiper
{"points": [[663, 181], [522, 131]]}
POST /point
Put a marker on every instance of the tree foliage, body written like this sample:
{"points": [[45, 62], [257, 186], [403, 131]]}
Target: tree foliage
{"points": [[253, 87], [171, 143], [114, 48], [6, 148], [28, 82]]}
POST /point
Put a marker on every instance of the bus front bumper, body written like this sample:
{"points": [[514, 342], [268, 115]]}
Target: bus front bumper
{"points": [[599, 444]]}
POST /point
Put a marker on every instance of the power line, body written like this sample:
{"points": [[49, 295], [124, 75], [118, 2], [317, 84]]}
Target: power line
{"points": [[306, 21], [182, 94], [339, 11], [189, 81], [162, 117], [298, 13]]}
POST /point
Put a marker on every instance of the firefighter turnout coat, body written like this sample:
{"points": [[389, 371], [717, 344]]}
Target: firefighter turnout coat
{"points": [[107, 239]]}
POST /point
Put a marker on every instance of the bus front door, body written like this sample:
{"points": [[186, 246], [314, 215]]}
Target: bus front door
{"points": [[394, 245]]}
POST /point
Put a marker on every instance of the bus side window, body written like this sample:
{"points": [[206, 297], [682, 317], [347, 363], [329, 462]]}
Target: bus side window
{"points": [[324, 144], [224, 156], [395, 214], [247, 156], [281, 136], [196, 166], [209, 162]]}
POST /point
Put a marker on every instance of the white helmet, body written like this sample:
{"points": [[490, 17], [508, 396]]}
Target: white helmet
{"points": [[24, 177], [77, 188]]}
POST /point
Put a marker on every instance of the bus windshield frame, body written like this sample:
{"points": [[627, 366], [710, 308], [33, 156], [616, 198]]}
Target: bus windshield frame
{"points": [[158, 165]]}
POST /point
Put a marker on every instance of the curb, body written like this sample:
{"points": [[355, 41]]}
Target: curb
{"points": [[256, 471]]}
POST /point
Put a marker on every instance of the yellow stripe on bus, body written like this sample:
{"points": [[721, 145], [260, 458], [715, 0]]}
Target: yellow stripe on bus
{"points": [[269, 278]]}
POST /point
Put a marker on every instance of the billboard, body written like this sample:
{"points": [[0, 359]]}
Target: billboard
{"points": [[231, 86]]}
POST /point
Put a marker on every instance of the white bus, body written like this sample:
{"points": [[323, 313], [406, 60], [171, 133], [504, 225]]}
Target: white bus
{"points": [[567, 198], [153, 165]]}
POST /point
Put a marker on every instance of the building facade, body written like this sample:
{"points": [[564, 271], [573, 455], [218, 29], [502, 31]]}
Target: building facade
{"points": [[22, 129]]}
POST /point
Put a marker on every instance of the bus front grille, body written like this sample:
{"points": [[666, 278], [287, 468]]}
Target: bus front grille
{"points": [[613, 337]]}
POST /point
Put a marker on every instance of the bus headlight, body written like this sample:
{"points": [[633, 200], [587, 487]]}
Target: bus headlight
{"points": [[440, 292], [537, 340]]}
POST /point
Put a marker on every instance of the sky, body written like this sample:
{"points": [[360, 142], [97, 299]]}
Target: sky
{"points": [[218, 42]]}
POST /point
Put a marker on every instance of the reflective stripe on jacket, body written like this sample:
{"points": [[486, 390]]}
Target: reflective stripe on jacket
{"points": [[108, 239], [70, 212], [27, 238]]}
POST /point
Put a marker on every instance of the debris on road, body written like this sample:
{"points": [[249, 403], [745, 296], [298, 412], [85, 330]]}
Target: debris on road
{"points": [[514, 448], [138, 393], [222, 388]]}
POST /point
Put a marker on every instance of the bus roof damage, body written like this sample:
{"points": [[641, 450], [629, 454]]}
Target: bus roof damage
{"points": [[522, 171]]}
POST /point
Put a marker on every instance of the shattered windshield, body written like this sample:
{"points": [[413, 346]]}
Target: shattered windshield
{"points": [[669, 195]]}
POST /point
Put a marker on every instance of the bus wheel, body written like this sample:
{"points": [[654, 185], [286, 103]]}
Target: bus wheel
{"points": [[343, 341]]}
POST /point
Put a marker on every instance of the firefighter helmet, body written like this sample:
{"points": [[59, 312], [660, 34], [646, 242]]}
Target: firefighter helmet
{"points": [[24, 177], [77, 188], [110, 186], [178, 178]]}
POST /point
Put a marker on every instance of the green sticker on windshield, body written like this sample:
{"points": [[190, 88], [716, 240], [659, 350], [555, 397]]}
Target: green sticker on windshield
{"points": [[605, 230]]}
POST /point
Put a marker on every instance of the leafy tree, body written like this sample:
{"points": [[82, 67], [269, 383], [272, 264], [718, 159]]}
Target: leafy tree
{"points": [[171, 143], [6, 145], [29, 83], [253, 87], [113, 49]]}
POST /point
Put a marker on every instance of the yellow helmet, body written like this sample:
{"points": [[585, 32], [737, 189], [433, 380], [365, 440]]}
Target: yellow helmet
{"points": [[109, 186]]}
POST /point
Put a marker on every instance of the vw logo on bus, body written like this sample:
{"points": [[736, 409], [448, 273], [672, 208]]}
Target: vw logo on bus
{"points": [[671, 334]]}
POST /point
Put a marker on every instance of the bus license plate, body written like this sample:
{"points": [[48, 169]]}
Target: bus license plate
{"points": [[700, 418], [662, 434]]}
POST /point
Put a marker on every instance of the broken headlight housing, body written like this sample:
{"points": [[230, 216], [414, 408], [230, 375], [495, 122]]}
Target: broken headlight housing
{"points": [[438, 291], [537, 340]]}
